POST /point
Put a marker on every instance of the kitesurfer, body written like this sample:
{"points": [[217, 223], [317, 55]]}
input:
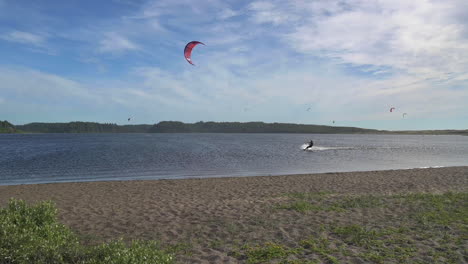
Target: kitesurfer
{"points": [[311, 143]]}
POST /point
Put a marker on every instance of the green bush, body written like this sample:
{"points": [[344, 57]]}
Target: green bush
{"points": [[32, 234]]}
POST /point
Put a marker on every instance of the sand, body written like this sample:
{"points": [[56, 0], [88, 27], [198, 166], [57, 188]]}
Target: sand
{"points": [[213, 216]]}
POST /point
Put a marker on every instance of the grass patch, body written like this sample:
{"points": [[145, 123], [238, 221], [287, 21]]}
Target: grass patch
{"points": [[424, 228], [305, 206], [268, 252], [32, 234], [304, 202], [377, 245], [365, 201], [356, 235], [320, 246], [308, 195], [441, 209]]}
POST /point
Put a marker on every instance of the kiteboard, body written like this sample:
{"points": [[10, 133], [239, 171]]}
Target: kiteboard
{"points": [[304, 147]]}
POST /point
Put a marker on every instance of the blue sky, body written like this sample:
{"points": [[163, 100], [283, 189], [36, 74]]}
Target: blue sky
{"points": [[349, 61]]}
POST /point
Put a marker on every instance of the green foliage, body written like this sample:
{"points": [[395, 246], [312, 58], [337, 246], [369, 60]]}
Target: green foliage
{"points": [[441, 209], [300, 206], [118, 252], [83, 127], [268, 252], [378, 245], [308, 195], [316, 202], [249, 127], [210, 127], [365, 201], [320, 246], [439, 219], [179, 127], [32, 234], [7, 127], [355, 234]]}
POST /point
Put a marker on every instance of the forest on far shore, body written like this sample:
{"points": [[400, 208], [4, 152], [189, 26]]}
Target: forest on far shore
{"points": [[204, 127]]}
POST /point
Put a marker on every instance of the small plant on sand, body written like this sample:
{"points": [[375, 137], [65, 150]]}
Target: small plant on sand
{"points": [[378, 245], [119, 253], [300, 206], [423, 228], [304, 202], [355, 234], [32, 234], [441, 209], [268, 252], [308, 195], [365, 201], [320, 246]]}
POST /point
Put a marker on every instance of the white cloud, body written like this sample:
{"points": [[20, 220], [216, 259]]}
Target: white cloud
{"points": [[164, 83], [157, 8], [419, 37], [227, 13], [116, 43], [24, 38], [34, 85], [351, 58], [269, 12]]}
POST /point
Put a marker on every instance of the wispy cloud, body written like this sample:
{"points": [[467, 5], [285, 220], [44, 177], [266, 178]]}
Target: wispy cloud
{"points": [[227, 13], [269, 12], [398, 34], [349, 60], [24, 38], [116, 43], [33, 85]]}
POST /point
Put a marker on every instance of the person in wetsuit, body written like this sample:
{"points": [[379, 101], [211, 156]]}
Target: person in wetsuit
{"points": [[311, 143]]}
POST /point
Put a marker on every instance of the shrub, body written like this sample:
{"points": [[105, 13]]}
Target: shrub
{"points": [[32, 234]]}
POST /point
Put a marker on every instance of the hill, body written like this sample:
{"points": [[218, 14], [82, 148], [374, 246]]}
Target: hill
{"points": [[251, 127], [82, 127], [207, 127], [7, 127], [433, 132]]}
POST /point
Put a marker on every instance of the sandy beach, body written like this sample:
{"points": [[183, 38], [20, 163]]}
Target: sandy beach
{"points": [[214, 218]]}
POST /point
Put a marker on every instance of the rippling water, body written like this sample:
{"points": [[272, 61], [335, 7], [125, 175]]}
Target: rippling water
{"points": [[41, 158]]}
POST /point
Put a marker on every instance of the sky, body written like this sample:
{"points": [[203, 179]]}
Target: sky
{"points": [[292, 61]]}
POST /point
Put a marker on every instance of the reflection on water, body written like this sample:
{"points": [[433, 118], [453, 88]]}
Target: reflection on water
{"points": [[39, 158]]}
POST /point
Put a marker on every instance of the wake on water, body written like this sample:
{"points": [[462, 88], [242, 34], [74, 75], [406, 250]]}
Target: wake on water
{"points": [[317, 148]]}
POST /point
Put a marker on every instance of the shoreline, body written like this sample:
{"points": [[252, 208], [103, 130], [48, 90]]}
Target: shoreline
{"points": [[215, 216], [178, 178]]}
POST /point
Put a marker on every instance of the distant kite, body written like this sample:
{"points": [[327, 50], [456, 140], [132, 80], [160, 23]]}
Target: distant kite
{"points": [[188, 50], [333, 121], [129, 119], [391, 109], [308, 109]]}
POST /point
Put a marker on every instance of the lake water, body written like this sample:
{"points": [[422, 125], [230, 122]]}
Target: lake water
{"points": [[43, 158]]}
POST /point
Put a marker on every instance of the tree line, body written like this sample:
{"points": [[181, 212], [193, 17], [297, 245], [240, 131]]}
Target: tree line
{"points": [[203, 127], [82, 127], [7, 127], [180, 127], [249, 127]]}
